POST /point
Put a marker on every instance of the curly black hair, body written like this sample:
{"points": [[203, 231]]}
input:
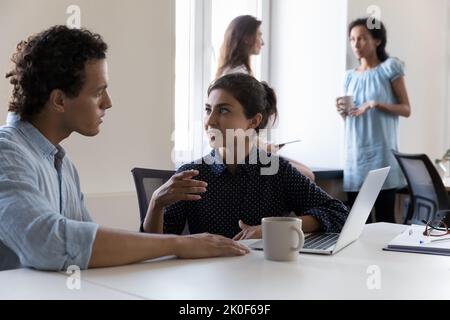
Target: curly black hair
{"points": [[52, 59]]}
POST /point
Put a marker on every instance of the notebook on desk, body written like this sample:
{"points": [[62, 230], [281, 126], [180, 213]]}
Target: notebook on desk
{"points": [[330, 243], [413, 240]]}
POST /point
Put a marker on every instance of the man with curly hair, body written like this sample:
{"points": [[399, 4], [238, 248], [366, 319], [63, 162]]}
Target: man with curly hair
{"points": [[60, 80]]}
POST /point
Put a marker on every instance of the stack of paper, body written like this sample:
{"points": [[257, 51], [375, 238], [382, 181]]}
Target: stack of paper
{"points": [[413, 240]]}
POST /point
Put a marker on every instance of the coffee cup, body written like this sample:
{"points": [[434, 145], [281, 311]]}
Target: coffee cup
{"points": [[282, 238], [346, 103]]}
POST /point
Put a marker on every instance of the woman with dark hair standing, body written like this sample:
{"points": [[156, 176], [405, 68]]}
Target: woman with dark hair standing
{"points": [[235, 190], [243, 38], [371, 128]]}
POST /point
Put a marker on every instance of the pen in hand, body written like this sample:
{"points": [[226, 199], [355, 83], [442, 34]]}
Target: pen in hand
{"points": [[281, 145]]}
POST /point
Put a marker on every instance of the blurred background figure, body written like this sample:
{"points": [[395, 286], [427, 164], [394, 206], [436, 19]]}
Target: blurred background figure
{"points": [[243, 39], [379, 98]]}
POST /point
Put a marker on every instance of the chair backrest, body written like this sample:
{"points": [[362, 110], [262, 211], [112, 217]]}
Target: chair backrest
{"points": [[428, 193], [146, 182]]}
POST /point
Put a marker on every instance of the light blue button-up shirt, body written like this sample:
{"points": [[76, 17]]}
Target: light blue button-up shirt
{"points": [[44, 223]]}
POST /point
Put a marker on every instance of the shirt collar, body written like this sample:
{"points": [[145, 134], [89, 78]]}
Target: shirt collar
{"points": [[216, 162], [34, 136], [251, 165]]}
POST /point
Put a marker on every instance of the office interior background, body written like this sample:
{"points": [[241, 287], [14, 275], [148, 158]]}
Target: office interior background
{"points": [[158, 81]]}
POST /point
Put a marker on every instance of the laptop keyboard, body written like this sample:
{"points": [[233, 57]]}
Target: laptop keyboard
{"points": [[320, 241]]}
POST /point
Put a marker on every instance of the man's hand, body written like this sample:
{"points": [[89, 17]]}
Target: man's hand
{"points": [[208, 245], [248, 232]]}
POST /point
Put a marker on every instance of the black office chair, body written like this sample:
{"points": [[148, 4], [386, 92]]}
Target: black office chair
{"points": [[146, 182], [429, 198]]}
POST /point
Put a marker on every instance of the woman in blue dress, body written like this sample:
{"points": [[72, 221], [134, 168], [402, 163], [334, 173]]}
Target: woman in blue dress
{"points": [[371, 128]]}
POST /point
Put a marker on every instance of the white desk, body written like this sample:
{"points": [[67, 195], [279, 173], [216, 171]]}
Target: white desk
{"points": [[342, 276], [27, 284]]}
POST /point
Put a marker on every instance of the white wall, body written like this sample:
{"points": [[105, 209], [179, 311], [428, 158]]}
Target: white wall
{"points": [[418, 34], [308, 61], [307, 53], [137, 130]]}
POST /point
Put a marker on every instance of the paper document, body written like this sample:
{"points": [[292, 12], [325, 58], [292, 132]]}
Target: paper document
{"points": [[413, 240]]}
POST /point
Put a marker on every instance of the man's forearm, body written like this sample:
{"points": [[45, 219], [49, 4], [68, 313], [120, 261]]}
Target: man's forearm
{"points": [[116, 247]]}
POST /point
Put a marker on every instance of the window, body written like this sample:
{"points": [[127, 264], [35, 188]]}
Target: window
{"points": [[200, 26]]}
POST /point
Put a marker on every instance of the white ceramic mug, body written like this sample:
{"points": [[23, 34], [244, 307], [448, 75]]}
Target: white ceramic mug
{"points": [[282, 238], [347, 103]]}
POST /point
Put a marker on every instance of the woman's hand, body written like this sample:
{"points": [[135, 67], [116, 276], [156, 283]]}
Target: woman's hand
{"points": [[357, 112], [268, 147], [180, 187], [248, 232]]}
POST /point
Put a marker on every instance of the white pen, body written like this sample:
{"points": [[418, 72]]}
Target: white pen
{"points": [[281, 145]]}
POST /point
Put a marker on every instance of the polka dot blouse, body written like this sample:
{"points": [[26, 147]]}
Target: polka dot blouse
{"points": [[249, 196]]}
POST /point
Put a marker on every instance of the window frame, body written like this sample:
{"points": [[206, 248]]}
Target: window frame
{"points": [[200, 71]]}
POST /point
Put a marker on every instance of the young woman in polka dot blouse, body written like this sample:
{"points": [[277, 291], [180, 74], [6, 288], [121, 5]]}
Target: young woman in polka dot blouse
{"points": [[228, 192]]}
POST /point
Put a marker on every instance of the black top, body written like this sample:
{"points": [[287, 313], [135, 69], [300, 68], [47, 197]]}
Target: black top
{"points": [[250, 196]]}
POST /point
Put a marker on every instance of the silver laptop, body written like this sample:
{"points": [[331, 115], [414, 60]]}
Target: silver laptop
{"points": [[330, 243]]}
